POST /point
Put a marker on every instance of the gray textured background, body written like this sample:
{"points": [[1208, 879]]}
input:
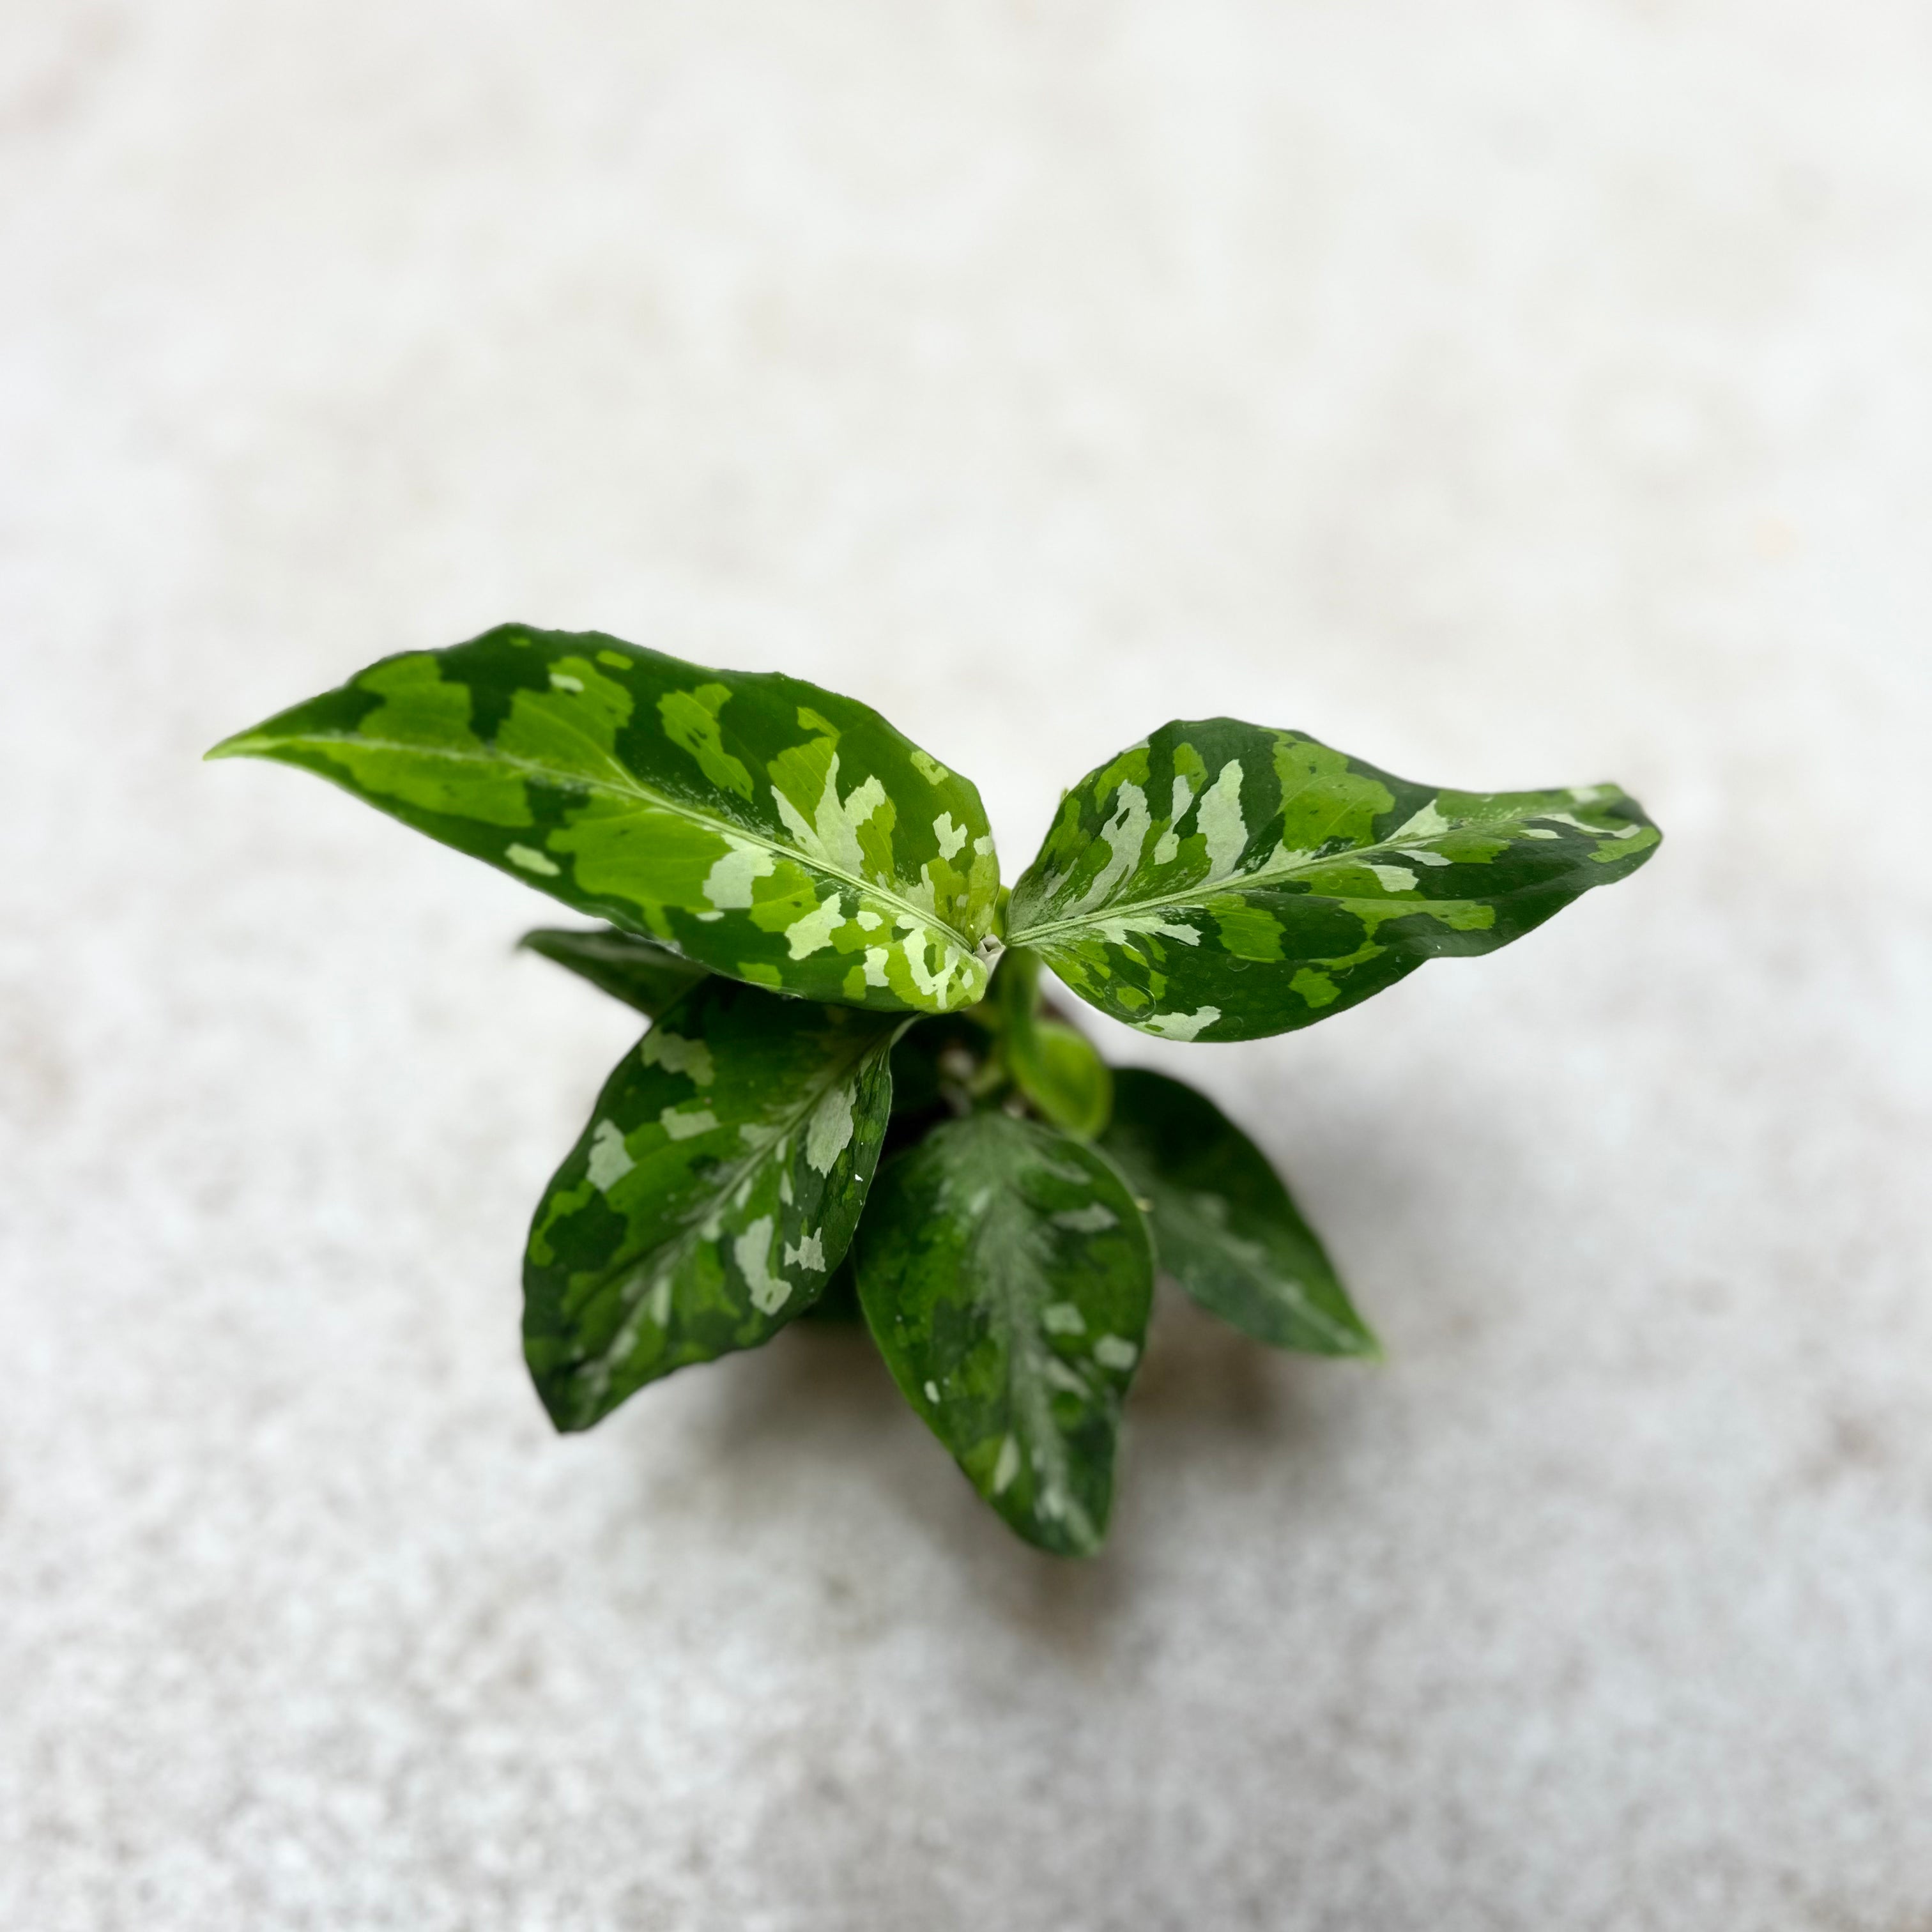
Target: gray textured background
{"points": [[1512, 394]]}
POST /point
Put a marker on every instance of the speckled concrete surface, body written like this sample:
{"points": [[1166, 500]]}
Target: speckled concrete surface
{"points": [[1513, 394]]}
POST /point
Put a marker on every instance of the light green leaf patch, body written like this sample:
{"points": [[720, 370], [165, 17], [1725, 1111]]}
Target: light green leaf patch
{"points": [[1006, 1275], [1055, 1064], [1061, 1074], [1223, 1224], [1222, 881], [715, 1189], [645, 975], [761, 827]]}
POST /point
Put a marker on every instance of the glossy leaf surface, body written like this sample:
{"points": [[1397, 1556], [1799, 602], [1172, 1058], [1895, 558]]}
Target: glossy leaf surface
{"points": [[1006, 1275], [1223, 1224], [715, 1189], [642, 974], [1222, 881], [766, 828]]}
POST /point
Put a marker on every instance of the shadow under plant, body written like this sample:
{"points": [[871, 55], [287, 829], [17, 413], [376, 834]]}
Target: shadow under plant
{"points": [[851, 1101]]}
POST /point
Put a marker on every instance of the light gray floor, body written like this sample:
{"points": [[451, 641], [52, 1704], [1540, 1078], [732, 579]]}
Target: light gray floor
{"points": [[1511, 394]]}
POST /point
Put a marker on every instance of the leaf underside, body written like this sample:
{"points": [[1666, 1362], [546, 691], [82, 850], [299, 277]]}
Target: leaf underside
{"points": [[641, 974], [1066, 1079], [767, 830], [1006, 1275], [1224, 1226], [1222, 881], [715, 1189]]}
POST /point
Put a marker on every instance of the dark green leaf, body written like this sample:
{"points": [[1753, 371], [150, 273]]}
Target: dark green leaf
{"points": [[715, 1189], [1223, 1224], [647, 976], [1222, 881], [1053, 1064], [766, 828], [1006, 1275]]}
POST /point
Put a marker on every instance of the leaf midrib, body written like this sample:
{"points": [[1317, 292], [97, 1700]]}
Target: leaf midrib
{"points": [[633, 789], [1028, 1388], [1240, 882], [604, 1364]]}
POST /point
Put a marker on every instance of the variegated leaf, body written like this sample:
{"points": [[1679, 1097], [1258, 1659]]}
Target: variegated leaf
{"points": [[642, 974], [1222, 881], [1006, 1275], [714, 1191], [763, 827], [1223, 1224]]}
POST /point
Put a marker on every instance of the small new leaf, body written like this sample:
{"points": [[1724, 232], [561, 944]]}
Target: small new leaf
{"points": [[642, 975], [1222, 881], [1224, 1226], [1053, 1064], [768, 829], [715, 1189], [1006, 1275], [1062, 1075]]}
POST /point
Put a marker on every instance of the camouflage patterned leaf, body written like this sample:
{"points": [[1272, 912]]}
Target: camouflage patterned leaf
{"points": [[715, 1189], [646, 976], [1222, 881], [1223, 1224], [768, 829], [937, 1062], [1006, 1275]]}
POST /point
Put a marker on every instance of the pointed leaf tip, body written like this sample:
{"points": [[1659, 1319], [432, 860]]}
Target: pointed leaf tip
{"points": [[242, 745], [1224, 1225], [645, 975]]}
